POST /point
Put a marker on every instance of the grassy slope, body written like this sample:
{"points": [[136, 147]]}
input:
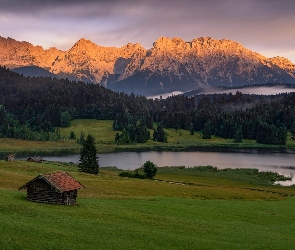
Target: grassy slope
{"points": [[8, 145], [104, 135], [213, 212]]}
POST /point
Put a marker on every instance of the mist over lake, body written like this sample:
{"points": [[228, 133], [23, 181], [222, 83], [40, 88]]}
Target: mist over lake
{"points": [[253, 90], [165, 95], [256, 90]]}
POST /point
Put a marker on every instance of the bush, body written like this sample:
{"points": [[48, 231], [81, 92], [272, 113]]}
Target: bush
{"points": [[149, 169], [132, 174]]}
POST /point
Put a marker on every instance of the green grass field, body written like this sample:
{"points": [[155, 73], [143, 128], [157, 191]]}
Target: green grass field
{"points": [[105, 140], [105, 136], [180, 209]]}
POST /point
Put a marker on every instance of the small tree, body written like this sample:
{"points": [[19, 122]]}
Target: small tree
{"points": [[293, 128], [159, 134], [149, 169], [191, 129], [117, 138], [81, 140], [72, 135], [88, 156], [207, 131], [238, 134], [65, 119]]}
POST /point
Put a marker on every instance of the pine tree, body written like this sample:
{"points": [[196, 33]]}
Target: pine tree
{"points": [[238, 134], [117, 138], [82, 138], [88, 156], [159, 134], [191, 129], [207, 131], [293, 128], [65, 119]]}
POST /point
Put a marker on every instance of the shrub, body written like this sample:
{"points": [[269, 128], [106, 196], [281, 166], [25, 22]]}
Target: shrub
{"points": [[149, 169], [132, 174]]}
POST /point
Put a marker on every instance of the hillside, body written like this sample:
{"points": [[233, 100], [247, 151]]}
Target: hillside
{"points": [[122, 213], [170, 65], [34, 108]]}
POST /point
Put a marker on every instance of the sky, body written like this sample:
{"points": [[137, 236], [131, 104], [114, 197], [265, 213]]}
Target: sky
{"points": [[263, 26]]}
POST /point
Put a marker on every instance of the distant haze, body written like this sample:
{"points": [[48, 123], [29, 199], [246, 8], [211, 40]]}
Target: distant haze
{"points": [[164, 96], [255, 90], [246, 90]]}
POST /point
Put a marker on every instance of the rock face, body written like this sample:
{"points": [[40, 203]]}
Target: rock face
{"points": [[170, 65]]}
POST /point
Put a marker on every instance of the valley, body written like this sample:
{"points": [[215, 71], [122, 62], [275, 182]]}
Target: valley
{"points": [[159, 125]]}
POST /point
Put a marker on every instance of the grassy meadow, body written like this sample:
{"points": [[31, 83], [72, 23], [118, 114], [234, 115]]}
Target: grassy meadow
{"points": [[179, 209], [104, 134], [105, 140]]}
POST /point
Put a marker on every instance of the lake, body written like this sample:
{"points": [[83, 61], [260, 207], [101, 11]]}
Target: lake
{"points": [[280, 161]]}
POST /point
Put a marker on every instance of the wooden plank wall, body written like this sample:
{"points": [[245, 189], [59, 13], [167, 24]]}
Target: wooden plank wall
{"points": [[52, 197]]}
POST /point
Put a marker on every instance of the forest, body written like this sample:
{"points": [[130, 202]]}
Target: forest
{"points": [[32, 108]]}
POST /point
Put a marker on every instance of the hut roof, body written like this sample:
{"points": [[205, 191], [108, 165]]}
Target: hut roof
{"points": [[35, 159], [61, 181]]}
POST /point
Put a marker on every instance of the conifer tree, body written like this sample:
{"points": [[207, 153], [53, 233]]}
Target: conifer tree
{"points": [[293, 128], [207, 131], [191, 129], [65, 119], [88, 157], [238, 134], [159, 134]]}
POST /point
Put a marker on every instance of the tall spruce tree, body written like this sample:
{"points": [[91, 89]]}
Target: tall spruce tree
{"points": [[238, 134], [159, 134], [207, 131], [88, 156], [293, 128]]}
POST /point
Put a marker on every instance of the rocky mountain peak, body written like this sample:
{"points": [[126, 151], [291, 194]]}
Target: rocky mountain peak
{"points": [[85, 45], [132, 48], [284, 63], [165, 43], [172, 64]]}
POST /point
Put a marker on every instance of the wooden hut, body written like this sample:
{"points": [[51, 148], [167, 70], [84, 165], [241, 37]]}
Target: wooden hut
{"points": [[35, 159], [57, 188], [9, 157]]}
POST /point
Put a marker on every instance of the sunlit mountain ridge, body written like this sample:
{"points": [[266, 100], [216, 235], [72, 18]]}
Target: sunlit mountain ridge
{"points": [[170, 65]]}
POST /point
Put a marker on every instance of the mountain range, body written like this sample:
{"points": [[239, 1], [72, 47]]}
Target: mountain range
{"points": [[170, 65]]}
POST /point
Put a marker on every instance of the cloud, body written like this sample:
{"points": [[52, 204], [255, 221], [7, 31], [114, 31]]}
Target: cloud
{"points": [[260, 25]]}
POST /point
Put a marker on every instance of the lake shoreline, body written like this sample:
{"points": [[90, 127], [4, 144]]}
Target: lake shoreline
{"points": [[155, 148], [198, 148], [274, 160]]}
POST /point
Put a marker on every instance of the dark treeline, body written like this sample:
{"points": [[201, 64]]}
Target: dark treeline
{"points": [[38, 105], [31, 108], [265, 119]]}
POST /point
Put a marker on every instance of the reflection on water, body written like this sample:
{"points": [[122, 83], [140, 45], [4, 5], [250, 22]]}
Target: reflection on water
{"points": [[280, 161]]}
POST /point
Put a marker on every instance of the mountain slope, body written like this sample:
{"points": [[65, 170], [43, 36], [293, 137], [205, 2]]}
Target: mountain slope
{"points": [[173, 64], [170, 65], [33, 71]]}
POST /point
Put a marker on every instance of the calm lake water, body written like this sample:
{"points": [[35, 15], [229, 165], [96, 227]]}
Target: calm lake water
{"points": [[280, 161]]}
